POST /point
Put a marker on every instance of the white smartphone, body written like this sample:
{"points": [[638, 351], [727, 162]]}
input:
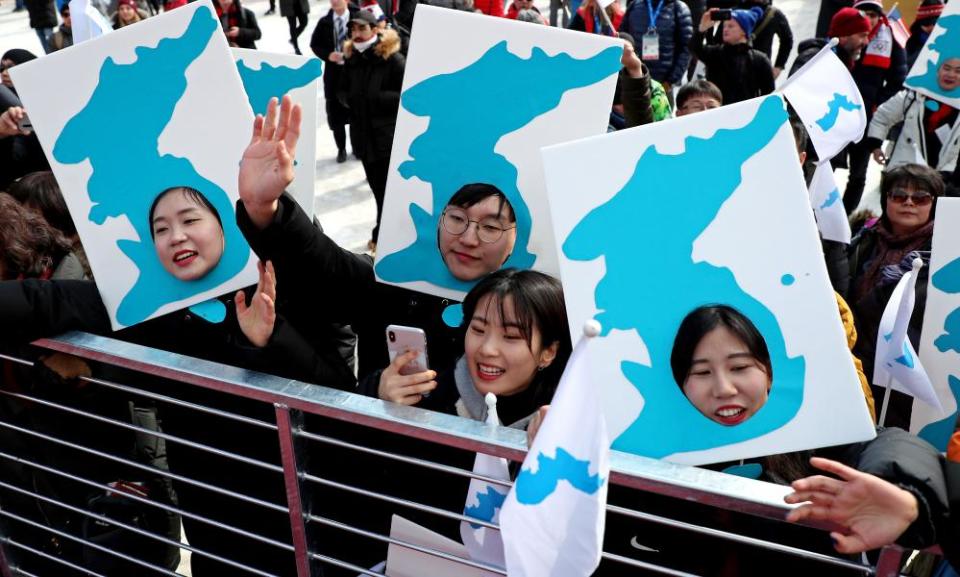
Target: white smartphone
{"points": [[401, 339]]}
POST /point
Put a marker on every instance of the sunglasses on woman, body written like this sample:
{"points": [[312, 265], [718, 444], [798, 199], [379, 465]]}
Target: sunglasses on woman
{"points": [[919, 197]]}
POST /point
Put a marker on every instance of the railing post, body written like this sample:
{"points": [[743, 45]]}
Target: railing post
{"points": [[286, 421], [888, 565]]}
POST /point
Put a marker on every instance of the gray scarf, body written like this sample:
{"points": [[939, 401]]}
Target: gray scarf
{"points": [[471, 404]]}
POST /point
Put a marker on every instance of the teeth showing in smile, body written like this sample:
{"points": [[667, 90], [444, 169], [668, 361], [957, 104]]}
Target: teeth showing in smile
{"points": [[731, 412], [184, 255], [489, 371]]}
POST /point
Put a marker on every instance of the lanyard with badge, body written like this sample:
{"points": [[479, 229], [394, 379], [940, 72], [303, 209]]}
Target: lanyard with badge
{"points": [[650, 45]]}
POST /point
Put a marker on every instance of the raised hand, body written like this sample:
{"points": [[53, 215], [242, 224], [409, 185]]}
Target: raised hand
{"points": [[873, 512], [266, 169], [257, 320]]}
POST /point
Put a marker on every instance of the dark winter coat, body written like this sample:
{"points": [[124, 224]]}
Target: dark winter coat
{"points": [[778, 26], [740, 72], [635, 97], [370, 87], [43, 13], [289, 7], [675, 28], [876, 84], [325, 283], [809, 48], [323, 44], [245, 21], [868, 310]]}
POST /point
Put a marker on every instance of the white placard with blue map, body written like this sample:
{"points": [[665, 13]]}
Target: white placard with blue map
{"points": [[708, 208], [942, 45], [940, 338], [478, 109], [266, 75], [157, 105]]}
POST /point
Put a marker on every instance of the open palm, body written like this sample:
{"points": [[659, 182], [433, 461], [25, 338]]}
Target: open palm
{"points": [[266, 169]]}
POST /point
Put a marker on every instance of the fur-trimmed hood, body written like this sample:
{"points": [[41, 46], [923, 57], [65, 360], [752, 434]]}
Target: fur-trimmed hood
{"points": [[387, 46]]}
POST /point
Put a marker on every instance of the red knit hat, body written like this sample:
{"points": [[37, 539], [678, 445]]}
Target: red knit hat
{"points": [[929, 11], [130, 3], [847, 22]]}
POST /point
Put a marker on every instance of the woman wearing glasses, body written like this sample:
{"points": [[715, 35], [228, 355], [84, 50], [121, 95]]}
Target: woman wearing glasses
{"points": [[882, 252]]}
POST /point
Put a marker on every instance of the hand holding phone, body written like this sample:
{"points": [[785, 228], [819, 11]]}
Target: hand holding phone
{"points": [[407, 380], [721, 14]]}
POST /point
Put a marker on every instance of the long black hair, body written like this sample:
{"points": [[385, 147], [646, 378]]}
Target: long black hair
{"points": [[539, 306]]}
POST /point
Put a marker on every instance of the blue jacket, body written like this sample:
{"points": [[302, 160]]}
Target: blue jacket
{"points": [[674, 26]]}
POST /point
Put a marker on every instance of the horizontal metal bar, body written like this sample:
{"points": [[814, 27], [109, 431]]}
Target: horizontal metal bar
{"points": [[405, 545], [22, 572], [136, 530], [142, 467], [648, 566], [826, 559], [146, 431], [17, 360], [403, 458], [344, 565], [47, 556], [164, 506], [91, 544], [707, 487], [401, 502], [180, 403]]}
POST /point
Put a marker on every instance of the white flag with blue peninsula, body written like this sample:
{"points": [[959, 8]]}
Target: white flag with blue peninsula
{"points": [[484, 501], [553, 520], [828, 102], [828, 205], [897, 365]]}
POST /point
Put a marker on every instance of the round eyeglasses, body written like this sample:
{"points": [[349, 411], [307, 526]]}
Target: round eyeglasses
{"points": [[489, 229]]}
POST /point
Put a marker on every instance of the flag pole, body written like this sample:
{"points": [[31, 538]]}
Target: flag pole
{"points": [[886, 400]]}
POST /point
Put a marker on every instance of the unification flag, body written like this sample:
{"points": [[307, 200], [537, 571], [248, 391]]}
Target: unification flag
{"points": [[828, 206], [900, 31], [87, 21], [828, 102], [484, 501], [552, 522], [897, 365]]}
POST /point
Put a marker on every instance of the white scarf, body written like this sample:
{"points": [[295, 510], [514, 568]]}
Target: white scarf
{"points": [[881, 46], [362, 46]]}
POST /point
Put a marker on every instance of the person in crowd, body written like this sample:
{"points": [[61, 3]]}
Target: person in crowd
{"points": [[518, 6], [238, 23], [31, 247], [772, 23], [40, 192], [665, 29], [327, 43], [850, 27], [272, 9], [739, 71], [642, 100], [878, 257], [127, 13], [588, 18], [63, 37], [516, 344], [927, 14], [489, 7], [370, 87], [559, 12], [930, 128], [530, 16], [12, 58], [43, 19], [879, 74], [295, 11], [828, 9], [697, 96]]}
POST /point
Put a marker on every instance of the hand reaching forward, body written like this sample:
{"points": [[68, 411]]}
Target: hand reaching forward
{"points": [[267, 166], [257, 320], [874, 512]]}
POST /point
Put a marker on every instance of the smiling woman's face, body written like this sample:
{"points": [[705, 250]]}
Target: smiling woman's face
{"points": [[187, 236], [726, 382]]}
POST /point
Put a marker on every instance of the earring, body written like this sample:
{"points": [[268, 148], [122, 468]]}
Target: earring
{"points": [[541, 367]]}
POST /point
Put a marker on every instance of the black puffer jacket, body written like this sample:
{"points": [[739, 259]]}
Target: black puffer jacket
{"points": [[778, 26], [740, 72], [43, 13], [675, 27], [370, 87]]}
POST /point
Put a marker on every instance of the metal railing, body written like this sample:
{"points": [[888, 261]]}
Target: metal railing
{"points": [[279, 477]]}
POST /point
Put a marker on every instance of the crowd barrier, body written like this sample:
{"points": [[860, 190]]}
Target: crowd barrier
{"points": [[73, 499]]}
